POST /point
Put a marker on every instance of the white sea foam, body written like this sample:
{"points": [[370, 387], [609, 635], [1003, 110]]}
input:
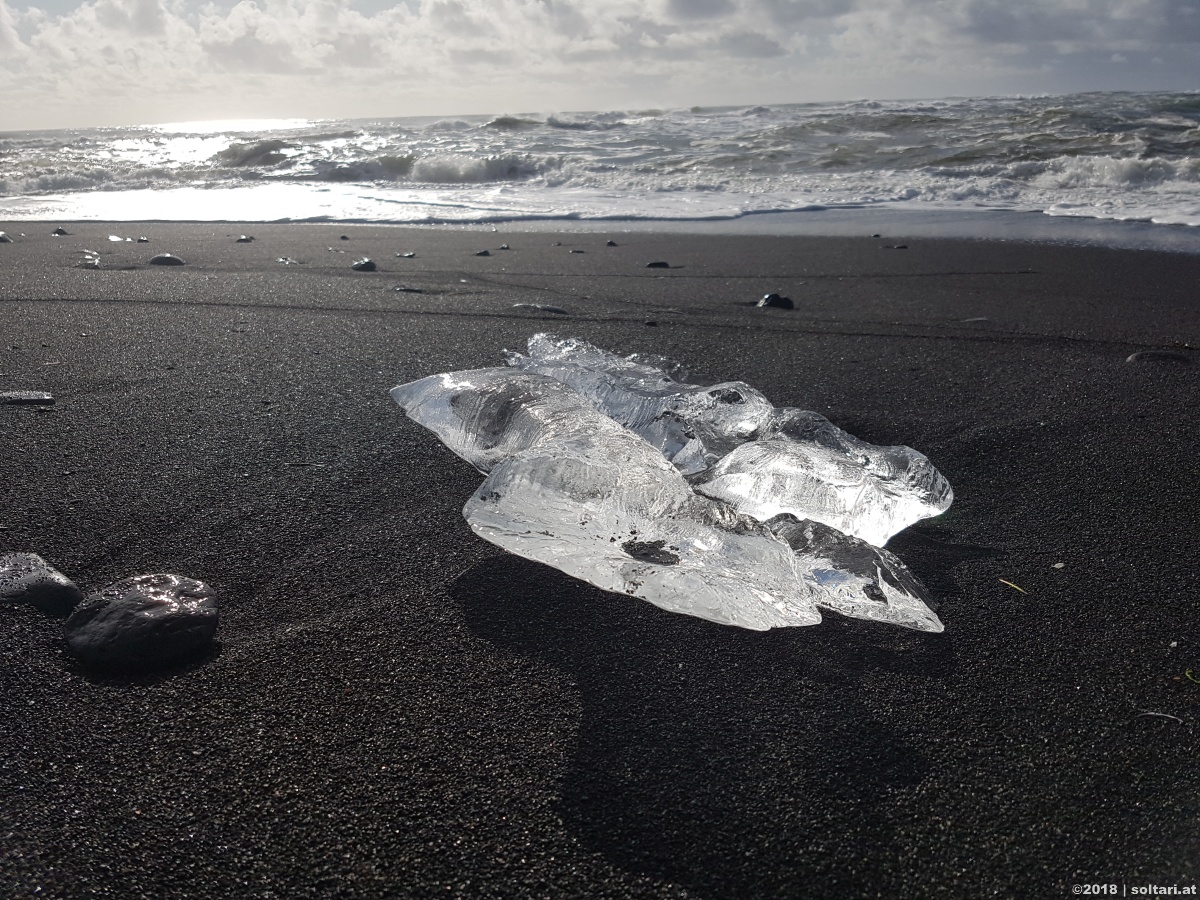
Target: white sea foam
{"points": [[1116, 156]]}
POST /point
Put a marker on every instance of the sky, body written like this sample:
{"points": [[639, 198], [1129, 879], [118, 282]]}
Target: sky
{"points": [[123, 62]]}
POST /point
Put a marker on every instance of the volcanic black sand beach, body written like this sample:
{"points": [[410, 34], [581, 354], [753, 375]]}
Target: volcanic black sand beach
{"points": [[396, 708]]}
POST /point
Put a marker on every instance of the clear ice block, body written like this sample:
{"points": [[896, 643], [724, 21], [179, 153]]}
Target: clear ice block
{"points": [[569, 487], [739, 449]]}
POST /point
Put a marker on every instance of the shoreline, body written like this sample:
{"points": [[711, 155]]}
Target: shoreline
{"points": [[396, 708], [1034, 227]]}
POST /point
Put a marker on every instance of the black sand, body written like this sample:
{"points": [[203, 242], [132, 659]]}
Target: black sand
{"points": [[398, 709]]}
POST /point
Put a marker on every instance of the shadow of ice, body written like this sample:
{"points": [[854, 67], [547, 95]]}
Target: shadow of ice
{"points": [[732, 762]]}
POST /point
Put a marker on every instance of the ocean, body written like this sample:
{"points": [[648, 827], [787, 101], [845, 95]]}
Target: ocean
{"points": [[1120, 168]]}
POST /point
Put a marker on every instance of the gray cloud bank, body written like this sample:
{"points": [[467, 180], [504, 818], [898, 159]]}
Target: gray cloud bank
{"points": [[150, 60]]}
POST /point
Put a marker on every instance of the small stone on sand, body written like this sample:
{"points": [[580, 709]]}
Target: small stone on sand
{"points": [[364, 265], [408, 255], [658, 265], [166, 259], [484, 253], [610, 243], [1158, 356], [26, 398], [60, 232], [244, 239], [27, 578], [5, 239], [147, 621], [776, 301]]}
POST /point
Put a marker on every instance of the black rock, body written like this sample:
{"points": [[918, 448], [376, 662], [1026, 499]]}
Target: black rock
{"points": [[408, 255], [166, 259], [145, 240], [27, 578], [5, 239], [364, 265], [244, 239], [344, 237], [776, 302], [658, 265], [505, 247], [575, 251], [484, 253], [144, 622], [59, 232], [610, 243], [26, 398]]}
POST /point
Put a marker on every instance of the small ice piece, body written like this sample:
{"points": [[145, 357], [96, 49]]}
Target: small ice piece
{"points": [[693, 426], [27, 578], [854, 578], [570, 488], [807, 466]]}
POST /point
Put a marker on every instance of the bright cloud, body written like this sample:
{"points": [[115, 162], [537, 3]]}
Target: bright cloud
{"points": [[127, 61]]}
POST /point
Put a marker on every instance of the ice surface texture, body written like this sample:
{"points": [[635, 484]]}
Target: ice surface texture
{"points": [[738, 448], [571, 487]]}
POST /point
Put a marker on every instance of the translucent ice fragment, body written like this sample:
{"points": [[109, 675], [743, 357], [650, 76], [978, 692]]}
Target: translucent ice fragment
{"points": [[852, 577], [489, 415], [738, 449], [809, 467], [692, 426], [572, 489]]}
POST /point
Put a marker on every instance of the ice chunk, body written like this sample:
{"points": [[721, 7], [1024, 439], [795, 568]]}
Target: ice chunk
{"points": [[692, 425], [852, 577], [585, 454], [571, 488], [809, 467], [741, 450]]}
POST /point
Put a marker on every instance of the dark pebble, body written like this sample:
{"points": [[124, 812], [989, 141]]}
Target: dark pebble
{"points": [[1158, 356], [27, 578], [650, 323], [658, 265], [59, 232], [244, 239], [363, 265], [145, 240], [610, 243], [895, 246], [575, 251], [408, 255], [407, 290], [344, 237], [505, 247], [776, 301], [166, 259], [484, 253], [144, 622], [5, 239], [26, 398]]}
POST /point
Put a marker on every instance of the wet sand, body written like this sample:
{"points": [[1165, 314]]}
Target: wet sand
{"points": [[396, 708]]}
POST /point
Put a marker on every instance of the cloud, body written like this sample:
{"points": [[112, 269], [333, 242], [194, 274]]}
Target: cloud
{"points": [[130, 60]]}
